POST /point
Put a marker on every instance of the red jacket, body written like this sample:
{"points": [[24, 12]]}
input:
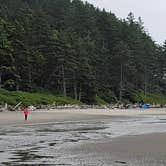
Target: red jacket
{"points": [[26, 111]]}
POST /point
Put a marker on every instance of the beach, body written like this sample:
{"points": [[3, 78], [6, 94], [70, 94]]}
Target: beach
{"points": [[86, 137], [53, 115], [139, 150]]}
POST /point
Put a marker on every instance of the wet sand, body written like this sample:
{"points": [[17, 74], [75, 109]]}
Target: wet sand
{"points": [[84, 138], [148, 149], [42, 116]]}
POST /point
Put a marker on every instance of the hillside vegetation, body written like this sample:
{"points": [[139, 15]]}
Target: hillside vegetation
{"points": [[36, 99], [76, 50]]}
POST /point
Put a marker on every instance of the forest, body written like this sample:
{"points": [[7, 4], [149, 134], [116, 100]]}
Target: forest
{"points": [[73, 49]]}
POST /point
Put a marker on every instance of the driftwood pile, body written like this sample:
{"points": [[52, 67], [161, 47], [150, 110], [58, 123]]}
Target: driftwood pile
{"points": [[48, 107]]}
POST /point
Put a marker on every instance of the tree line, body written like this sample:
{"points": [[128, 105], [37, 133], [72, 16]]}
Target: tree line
{"points": [[74, 49]]}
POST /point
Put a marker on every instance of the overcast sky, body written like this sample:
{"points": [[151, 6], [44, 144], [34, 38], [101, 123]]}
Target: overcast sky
{"points": [[153, 13]]}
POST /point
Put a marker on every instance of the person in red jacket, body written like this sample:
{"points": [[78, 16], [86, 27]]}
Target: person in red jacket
{"points": [[26, 112]]}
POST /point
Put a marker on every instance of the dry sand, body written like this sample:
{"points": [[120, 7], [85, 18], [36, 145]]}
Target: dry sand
{"points": [[43, 116]]}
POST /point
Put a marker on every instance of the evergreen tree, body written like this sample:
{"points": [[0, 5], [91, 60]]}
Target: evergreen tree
{"points": [[77, 50]]}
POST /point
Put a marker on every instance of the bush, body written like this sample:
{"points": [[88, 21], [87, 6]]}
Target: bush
{"points": [[100, 101], [27, 98], [151, 98]]}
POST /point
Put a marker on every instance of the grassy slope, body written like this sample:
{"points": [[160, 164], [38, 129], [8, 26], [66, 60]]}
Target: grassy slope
{"points": [[100, 101], [27, 98], [151, 98], [14, 97]]}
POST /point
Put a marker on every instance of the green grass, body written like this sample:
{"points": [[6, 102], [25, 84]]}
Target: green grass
{"points": [[27, 98], [100, 101], [150, 98]]}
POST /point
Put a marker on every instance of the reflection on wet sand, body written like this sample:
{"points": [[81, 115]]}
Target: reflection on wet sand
{"points": [[90, 143]]}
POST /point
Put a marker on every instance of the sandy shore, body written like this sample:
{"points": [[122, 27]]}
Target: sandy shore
{"points": [[148, 149], [148, 143], [42, 116], [86, 137]]}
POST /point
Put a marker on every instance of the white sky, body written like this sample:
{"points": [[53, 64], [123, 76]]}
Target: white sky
{"points": [[152, 12]]}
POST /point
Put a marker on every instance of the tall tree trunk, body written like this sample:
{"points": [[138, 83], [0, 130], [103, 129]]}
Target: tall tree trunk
{"points": [[75, 86], [103, 44], [145, 80], [0, 79], [29, 75], [17, 85], [121, 83], [64, 81], [75, 90], [80, 93]]}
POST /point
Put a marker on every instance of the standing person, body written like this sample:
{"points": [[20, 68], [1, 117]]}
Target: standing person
{"points": [[26, 112]]}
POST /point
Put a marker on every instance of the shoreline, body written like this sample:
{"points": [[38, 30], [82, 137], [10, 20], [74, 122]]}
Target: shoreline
{"points": [[89, 137], [60, 115]]}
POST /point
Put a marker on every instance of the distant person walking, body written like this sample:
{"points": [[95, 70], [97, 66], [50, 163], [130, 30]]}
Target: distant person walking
{"points": [[26, 112]]}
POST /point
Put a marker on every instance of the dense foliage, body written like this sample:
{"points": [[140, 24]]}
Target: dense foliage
{"points": [[35, 99], [77, 50]]}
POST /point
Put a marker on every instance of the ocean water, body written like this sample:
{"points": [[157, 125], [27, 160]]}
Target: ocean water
{"points": [[52, 143]]}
